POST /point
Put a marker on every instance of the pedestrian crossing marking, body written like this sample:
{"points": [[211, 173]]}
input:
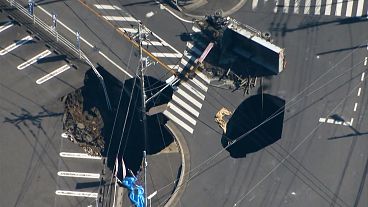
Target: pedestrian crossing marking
{"points": [[193, 90], [178, 121], [189, 98], [161, 54], [185, 105], [317, 8], [360, 8], [338, 8], [107, 7], [349, 8], [199, 84], [328, 7], [181, 113], [129, 30], [120, 18]]}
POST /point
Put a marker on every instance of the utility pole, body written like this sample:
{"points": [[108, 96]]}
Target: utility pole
{"points": [[142, 66]]}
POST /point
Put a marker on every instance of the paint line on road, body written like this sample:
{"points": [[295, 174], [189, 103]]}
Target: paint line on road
{"points": [[6, 26], [171, 55], [107, 7], [317, 8], [175, 67], [359, 12], [78, 155], [351, 122], [199, 84], [189, 98], [349, 8], [285, 8], [193, 90], [53, 74], [365, 61], [359, 90], [178, 121], [15, 45], [296, 7], [78, 174], [185, 105], [355, 106], [120, 18], [172, 13], [330, 121], [181, 113], [34, 59], [203, 76], [254, 4], [307, 6], [85, 41], [129, 30], [328, 7], [362, 78], [338, 7], [76, 193], [154, 43], [323, 120]]}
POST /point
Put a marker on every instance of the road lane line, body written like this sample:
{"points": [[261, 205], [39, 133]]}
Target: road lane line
{"points": [[286, 6], [107, 7], [322, 120], [362, 78], [85, 41], [307, 6], [15, 45], [351, 122], [34, 59], [78, 174], [76, 193], [78, 155], [6, 26], [355, 106], [129, 30], [199, 84], [193, 90], [359, 90], [338, 7], [171, 55], [317, 8], [53, 74], [328, 7], [254, 4], [349, 8], [185, 105], [120, 18], [189, 98], [181, 113], [359, 12], [178, 121], [365, 61]]}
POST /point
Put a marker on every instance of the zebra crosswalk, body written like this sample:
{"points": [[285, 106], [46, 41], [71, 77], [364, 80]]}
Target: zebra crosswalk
{"points": [[187, 100], [347, 8], [128, 24]]}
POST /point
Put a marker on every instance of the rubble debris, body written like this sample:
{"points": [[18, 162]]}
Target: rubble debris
{"points": [[83, 127], [219, 118]]}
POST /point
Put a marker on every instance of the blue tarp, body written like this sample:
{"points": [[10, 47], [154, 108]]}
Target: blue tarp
{"points": [[136, 192]]}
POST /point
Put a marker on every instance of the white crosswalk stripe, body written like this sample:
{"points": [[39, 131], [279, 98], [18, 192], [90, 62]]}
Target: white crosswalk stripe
{"points": [[348, 8], [107, 7], [76, 193], [120, 18]]}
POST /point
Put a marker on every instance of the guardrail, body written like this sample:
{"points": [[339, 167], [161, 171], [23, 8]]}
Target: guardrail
{"points": [[61, 39]]}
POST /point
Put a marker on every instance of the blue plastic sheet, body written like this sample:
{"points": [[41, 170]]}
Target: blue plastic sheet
{"points": [[136, 192]]}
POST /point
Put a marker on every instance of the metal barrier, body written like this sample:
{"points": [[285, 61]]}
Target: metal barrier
{"points": [[61, 39]]}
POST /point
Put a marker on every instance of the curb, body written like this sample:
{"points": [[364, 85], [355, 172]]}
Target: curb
{"points": [[185, 165]]}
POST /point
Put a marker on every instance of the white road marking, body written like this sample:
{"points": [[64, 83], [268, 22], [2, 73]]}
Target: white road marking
{"points": [[285, 9], [78, 174], [330, 121], [317, 8], [129, 30], [150, 14], [355, 106], [85, 41], [53, 74], [196, 29], [351, 121], [120, 18], [175, 67], [194, 49], [189, 98], [155, 43], [338, 7], [254, 4], [6, 26], [328, 7], [204, 77], [78, 155], [359, 12], [362, 78], [359, 90], [322, 120], [365, 61], [161, 54], [349, 8], [277, 5], [338, 122], [178, 121], [76, 193], [185, 105], [107, 7], [172, 13], [181, 113], [64, 135], [199, 84], [193, 90], [296, 6], [307, 6], [34, 59], [15, 45]]}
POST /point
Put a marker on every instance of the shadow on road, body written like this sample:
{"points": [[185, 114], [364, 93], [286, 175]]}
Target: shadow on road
{"points": [[248, 116]]}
